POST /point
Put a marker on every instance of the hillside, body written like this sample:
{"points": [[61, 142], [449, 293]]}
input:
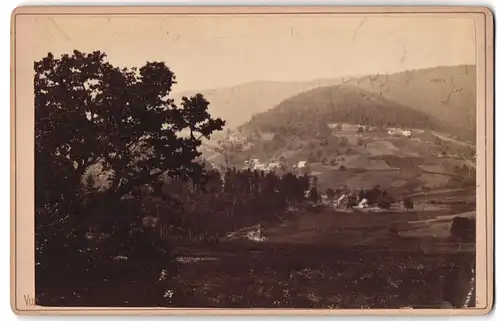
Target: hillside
{"points": [[307, 112], [237, 104], [448, 94], [313, 126]]}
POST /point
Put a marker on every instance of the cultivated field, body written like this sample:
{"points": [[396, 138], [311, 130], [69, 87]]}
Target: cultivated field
{"points": [[338, 260]]}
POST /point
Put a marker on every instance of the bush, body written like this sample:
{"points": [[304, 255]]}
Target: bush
{"points": [[408, 203], [330, 193], [313, 195], [343, 141], [384, 204], [463, 229]]}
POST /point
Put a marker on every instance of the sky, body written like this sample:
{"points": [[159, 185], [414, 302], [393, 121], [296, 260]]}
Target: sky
{"points": [[217, 51]]}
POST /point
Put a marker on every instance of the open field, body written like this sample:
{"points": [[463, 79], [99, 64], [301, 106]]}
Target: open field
{"points": [[330, 260], [303, 276]]}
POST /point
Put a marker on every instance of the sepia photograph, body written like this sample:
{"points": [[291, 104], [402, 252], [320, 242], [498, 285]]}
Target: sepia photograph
{"points": [[249, 160]]}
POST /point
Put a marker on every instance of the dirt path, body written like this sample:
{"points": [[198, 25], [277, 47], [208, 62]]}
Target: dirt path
{"points": [[442, 191], [452, 140]]}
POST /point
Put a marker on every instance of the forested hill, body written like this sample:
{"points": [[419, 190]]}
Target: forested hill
{"points": [[344, 104], [446, 94]]}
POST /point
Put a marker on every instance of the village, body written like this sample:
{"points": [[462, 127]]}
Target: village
{"points": [[327, 191], [341, 199]]}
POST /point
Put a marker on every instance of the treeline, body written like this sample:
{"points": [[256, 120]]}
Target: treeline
{"points": [[225, 202]]}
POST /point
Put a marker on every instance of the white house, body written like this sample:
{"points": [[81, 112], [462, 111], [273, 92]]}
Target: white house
{"points": [[398, 131], [260, 167], [273, 165], [406, 133], [301, 164], [363, 203]]}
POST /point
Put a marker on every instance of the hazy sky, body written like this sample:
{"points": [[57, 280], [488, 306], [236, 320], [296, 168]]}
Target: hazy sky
{"points": [[214, 51]]}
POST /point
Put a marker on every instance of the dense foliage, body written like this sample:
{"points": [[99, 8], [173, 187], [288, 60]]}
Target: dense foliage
{"points": [[463, 229], [231, 200]]}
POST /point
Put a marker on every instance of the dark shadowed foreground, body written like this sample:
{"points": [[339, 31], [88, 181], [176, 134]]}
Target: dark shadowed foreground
{"points": [[385, 271]]}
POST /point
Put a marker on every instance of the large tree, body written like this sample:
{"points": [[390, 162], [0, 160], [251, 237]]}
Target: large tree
{"points": [[89, 111], [90, 114]]}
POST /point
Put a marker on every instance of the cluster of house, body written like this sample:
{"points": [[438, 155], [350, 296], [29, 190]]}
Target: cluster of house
{"points": [[300, 165], [235, 139], [399, 132], [362, 203], [348, 127], [346, 200], [365, 128], [256, 164]]}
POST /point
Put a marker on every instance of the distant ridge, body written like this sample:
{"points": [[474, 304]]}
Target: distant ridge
{"points": [[237, 104], [447, 95]]}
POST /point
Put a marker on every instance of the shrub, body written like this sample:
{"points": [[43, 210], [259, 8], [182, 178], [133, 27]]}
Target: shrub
{"points": [[408, 203], [463, 229], [384, 204]]}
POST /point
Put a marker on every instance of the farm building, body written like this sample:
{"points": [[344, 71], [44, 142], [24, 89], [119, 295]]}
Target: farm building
{"points": [[260, 167], [234, 139], [273, 165], [301, 164], [344, 127], [399, 132]]}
